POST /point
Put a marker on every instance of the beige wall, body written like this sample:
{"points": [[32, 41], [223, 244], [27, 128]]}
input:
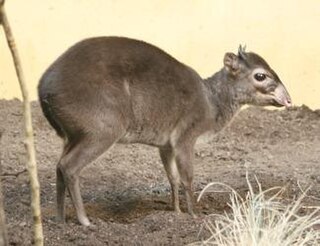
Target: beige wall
{"points": [[198, 33]]}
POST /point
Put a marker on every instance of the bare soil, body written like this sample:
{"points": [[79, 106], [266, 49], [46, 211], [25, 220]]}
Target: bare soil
{"points": [[126, 191]]}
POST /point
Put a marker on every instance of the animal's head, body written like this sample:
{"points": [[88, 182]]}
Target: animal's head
{"points": [[256, 83]]}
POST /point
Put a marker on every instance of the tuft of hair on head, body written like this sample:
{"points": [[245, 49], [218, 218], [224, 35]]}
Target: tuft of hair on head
{"points": [[242, 51]]}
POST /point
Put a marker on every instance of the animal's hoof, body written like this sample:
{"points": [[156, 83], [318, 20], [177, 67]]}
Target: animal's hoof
{"points": [[84, 221]]}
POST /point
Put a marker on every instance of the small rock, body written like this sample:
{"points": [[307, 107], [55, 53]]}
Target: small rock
{"points": [[22, 224]]}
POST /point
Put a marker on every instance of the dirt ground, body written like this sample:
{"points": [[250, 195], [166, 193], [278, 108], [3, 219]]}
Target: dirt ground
{"points": [[126, 191]]}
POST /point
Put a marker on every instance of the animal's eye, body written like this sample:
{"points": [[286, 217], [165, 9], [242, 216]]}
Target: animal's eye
{"points": [[260, 76]]}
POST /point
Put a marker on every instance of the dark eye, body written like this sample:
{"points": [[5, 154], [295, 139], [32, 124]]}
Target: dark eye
{"points": [[260, 76]]}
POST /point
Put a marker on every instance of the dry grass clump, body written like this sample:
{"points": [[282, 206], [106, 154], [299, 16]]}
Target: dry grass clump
{"points": [[261, 220]]}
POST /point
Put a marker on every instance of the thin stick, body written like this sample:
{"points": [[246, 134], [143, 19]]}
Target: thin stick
{"points": [[3, 228], [29, 142]]}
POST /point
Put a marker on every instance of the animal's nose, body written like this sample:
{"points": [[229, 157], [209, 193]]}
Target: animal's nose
{"points": [[288, 103]]}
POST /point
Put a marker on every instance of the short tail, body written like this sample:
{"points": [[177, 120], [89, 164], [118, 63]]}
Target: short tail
{"points": [[47, 110]]}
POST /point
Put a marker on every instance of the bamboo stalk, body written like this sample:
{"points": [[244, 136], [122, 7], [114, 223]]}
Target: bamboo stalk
{"points": [[29, 141]]}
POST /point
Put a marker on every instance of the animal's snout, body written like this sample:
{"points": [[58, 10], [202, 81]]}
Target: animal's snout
{"points": [[282, 97], [288, 102]]}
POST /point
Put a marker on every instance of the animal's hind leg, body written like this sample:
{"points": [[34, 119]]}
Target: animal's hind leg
{"points": [[61, 186], [83, 151], [61, 190]]}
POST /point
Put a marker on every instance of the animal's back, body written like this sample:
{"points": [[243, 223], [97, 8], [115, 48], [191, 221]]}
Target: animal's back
{"points": [[104, 80]]}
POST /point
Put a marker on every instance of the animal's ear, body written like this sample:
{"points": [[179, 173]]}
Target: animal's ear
{"points": [[231, 62]]}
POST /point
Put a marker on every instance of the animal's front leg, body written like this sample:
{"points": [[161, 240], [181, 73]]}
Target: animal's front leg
{"points": [[168, 160], [184, 160]]}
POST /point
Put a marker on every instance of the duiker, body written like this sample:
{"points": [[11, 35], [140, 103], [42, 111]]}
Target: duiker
{"points": [[110, 90]]}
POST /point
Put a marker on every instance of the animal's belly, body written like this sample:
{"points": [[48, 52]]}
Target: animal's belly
{"points": [[151, 137]]}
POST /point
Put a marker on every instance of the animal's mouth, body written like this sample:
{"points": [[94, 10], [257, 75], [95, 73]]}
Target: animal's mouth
{"points": [[275, 103], [281, 102]]}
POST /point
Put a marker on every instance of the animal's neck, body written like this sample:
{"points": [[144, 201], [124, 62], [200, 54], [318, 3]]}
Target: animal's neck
{"points": [[222, 96]]}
